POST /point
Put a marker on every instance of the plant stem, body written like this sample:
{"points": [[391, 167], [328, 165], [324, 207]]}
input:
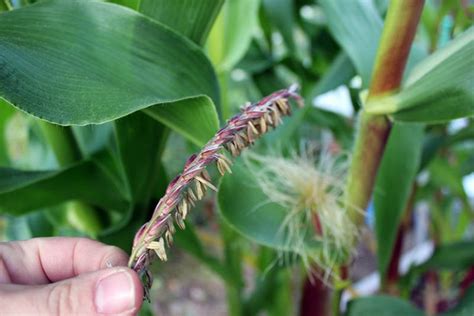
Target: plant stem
{"points": [[339, 290], [397, 37], [316, 297], [80, 215], [370, 142], [7, 5], [336, 302], [233, 259], [234, 305]]}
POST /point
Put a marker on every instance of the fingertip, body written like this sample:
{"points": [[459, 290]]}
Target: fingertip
{"points": [[119, 291], [138, 288]]}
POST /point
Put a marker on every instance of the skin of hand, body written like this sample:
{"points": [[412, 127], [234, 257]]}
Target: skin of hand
{"points": [[66, 276]]}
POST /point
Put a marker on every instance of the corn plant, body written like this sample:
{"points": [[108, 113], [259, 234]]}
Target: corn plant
{"points": [[116, 118]]}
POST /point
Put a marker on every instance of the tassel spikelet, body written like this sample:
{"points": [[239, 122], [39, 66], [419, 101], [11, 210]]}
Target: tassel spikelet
{"points": [[192, 184]]}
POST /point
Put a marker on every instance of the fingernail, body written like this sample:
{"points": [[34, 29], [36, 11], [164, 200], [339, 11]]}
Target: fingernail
{"points": [[115, 293]]}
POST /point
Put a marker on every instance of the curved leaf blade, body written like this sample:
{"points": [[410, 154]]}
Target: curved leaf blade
{"points": [[192, 18], [6, 112], [23, 191], [247, 209], [197, 121], [139, 159], [340, 72], [243, 206], [457, 255], [381, 305], [348, 20], [132, 4], [92, 62], [281, 12], [393, 184], [31, 225], [232, 33]]}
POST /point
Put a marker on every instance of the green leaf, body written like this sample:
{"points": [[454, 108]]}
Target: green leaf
{"points": [[246, 209], [445, 174], [25, 143], [139, 158], [142, 171], [146, 309], [92, 62], [381, 305], [439, 89], [132, 4], [13, 179], [92, 138], [256, 59], [232, 33], [340, 72], [434, 143], [22, 191], [121, 234], [272, 291], [339, 125], [35, 224], [6, 111], [393, 185], [290, 133], [382, 5], [3, 6], [281, 13], [194, 118], [453, 256], [191, 18], [356, 26]]}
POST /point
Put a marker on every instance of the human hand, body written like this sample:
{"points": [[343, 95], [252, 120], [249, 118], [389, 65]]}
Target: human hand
{"points": [[66, 276]]}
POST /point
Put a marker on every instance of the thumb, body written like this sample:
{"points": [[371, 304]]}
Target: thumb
{"points": [[109, 291]]}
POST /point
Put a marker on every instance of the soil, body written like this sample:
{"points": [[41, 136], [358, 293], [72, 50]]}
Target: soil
{"points": [[185, 287]]}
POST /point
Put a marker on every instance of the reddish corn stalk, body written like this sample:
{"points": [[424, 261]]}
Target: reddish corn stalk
{"points": [[190, 186]]}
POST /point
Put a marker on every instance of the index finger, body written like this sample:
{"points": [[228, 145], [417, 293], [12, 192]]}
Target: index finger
{"points": [[46, 260]]}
